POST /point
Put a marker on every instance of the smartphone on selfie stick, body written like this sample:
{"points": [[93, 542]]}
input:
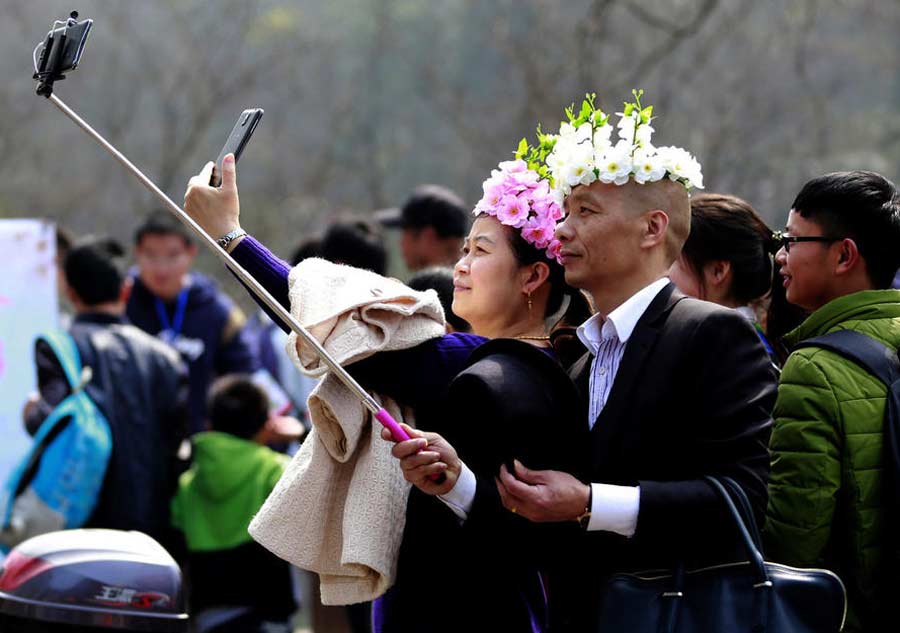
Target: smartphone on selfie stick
{"points": [[60, 51], [240, 135]]}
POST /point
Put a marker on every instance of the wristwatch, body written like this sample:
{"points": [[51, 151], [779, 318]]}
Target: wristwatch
{"points": [[228, 238], [585, 517]]}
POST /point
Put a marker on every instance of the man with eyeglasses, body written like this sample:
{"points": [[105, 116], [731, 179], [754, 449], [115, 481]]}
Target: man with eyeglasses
{"points": [[838, 257], [186, 310]]}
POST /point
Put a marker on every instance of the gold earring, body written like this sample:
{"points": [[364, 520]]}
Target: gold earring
{"points": [[530, 304]]}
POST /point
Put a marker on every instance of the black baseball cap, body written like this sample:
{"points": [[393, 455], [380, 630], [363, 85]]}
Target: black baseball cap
{"points": [[429, 205]]}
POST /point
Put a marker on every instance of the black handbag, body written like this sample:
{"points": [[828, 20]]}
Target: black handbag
{"points": [[752, 596]]}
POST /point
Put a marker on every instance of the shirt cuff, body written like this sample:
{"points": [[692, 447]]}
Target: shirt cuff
{"points": [[614, 508], [462, 495]]}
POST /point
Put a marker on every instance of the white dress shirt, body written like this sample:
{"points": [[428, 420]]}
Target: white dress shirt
{"points": [[613, 508]]}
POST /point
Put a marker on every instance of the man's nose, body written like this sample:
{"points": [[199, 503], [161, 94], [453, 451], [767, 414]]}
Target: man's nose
{"points": [[781, 256], [563, 232]]}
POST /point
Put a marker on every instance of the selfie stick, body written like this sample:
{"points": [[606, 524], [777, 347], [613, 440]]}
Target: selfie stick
{"points": [[45, 89]]}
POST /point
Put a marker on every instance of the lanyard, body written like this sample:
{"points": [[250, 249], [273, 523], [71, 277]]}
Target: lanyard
{"points": [[173, 326]]}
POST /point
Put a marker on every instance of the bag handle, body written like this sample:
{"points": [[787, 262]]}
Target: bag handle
{"points": [[740, 498], [750, 536], [751, 541]]}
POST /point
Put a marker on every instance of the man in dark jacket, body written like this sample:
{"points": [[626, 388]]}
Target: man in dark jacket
{"points": [[138, 383], [676, 389], [186, 310]]}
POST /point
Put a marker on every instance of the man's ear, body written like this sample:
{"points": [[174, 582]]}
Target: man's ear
{"points": [[656, 224], [848, 257]]}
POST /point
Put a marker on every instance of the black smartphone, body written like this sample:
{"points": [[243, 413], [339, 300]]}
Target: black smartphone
{"points": [[64, 44], [237, 141]]}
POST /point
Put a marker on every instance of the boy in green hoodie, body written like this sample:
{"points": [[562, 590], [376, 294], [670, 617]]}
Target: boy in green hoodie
{"points": [[233, 578]]}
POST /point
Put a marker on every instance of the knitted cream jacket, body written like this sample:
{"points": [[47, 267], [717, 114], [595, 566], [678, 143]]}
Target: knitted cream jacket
{"points": [[340, 507]]}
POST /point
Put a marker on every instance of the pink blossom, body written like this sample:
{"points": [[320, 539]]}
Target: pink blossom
{"points": [[513, 166], [554, 211], [513, 210], [553, 250], [538, 233], [520, 198]]}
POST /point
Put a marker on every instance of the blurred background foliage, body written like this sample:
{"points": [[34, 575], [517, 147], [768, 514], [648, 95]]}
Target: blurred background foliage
{"points": [[365, 99]]}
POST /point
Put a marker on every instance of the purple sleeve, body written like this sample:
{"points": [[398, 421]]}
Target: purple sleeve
{"points": [[419, 376], [270, 271]]}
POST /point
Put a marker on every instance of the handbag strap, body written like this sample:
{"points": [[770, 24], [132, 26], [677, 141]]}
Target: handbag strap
{"points": [[743, 503], [751, 547]]}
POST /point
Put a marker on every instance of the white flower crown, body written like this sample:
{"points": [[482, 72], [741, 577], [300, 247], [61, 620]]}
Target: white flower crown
{"points": [[583, 151]]}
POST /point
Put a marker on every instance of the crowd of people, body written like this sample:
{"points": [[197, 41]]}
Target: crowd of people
{"points": [[612, 337]]}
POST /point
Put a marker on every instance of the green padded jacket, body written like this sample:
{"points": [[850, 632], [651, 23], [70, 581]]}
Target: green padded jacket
{"points": [[825, 487]]}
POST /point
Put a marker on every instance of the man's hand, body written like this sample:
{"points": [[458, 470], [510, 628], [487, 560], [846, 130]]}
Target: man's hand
{"points": [[542, 495], [425, 455], [216, 209]]}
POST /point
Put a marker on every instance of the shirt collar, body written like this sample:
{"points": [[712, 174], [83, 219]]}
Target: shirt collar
{"points": [[747, 312], [621, 322]]}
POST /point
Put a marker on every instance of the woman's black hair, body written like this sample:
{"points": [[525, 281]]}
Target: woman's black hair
{"points": [[727, 228]]}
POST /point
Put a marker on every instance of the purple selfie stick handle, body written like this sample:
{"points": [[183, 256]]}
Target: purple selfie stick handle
{"points": [[390, 423], [399, 435]]}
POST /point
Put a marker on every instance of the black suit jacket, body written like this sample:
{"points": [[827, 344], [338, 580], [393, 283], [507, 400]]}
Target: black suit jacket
{"points": [[693, 396]]}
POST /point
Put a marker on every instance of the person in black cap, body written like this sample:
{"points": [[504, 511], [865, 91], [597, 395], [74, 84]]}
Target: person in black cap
{"points": [[434, 221]]}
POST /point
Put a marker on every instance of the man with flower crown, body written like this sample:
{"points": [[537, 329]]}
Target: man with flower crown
{"points": [[676, 388]]}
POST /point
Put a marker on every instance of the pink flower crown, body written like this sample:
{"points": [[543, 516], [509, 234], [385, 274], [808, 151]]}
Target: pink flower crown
{"points": [[520, 198]]}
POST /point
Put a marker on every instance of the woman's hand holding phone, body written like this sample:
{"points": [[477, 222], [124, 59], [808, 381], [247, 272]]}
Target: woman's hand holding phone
{"points": [[216, 209]]}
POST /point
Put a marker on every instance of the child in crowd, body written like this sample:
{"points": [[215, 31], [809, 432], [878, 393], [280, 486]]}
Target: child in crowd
{"points": [[236, 585]]}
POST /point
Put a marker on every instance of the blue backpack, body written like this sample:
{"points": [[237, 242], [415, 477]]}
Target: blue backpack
{"points": [[57, 484]]}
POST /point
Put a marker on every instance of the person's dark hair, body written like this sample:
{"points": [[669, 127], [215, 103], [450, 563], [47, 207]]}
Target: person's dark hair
{"points": [[64, 241], [562, 333], [526, 254], [95, 270], [727, 228], [860, 205], [356, 242], [237, 406], [437, 207], [310, 246], [161, 222], [440, 279]]}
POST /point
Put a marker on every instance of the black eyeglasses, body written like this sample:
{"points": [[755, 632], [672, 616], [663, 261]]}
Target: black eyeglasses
{"points": [[785, 241]]}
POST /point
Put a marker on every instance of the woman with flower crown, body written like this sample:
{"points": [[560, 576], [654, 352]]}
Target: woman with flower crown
{"points": [[496, 395]]}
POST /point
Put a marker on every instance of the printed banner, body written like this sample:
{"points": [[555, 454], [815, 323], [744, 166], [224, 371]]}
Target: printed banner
{"points": [[28, 306]]}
